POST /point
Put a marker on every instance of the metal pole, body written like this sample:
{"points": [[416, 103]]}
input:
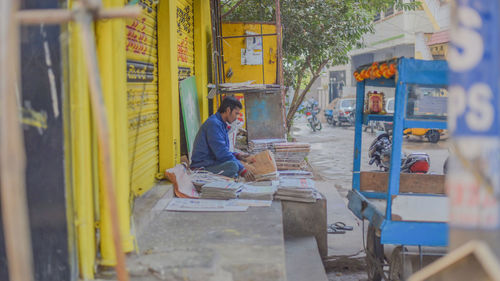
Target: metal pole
{"points": [[473, 119], [12, 155]]}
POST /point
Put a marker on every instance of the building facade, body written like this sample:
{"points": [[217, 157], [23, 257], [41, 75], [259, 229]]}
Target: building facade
{"points": [[422, 34]]}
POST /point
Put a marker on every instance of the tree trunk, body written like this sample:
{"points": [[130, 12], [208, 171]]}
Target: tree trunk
{"points": [[298, 99]]}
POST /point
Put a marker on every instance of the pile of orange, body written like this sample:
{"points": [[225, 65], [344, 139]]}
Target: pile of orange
{"points": [[375, 71]]}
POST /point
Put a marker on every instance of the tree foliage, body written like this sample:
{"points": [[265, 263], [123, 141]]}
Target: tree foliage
{"points": [[316, 33]]}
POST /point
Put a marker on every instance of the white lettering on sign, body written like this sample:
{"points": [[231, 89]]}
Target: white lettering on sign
{"points": [[481, 113], [480, 116], [468, 40]]}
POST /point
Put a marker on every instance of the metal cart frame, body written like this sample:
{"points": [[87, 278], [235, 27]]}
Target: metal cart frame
{"points": [[409, 71]]}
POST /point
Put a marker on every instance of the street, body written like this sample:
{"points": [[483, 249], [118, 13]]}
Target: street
{"points": [[331, 160]]}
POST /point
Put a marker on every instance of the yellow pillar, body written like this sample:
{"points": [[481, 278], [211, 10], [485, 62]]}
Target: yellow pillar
{"points": [[81, 163], [121, 128], [104, 41], [202, 37], [168, 89]]}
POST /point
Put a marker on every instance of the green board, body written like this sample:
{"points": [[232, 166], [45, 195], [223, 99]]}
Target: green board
{"points": [[190, 110]]}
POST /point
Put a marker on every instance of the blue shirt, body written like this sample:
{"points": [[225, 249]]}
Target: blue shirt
{"points": [[211, 145]]}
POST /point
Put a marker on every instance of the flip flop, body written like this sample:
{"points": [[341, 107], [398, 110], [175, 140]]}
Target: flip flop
{"points": [[342, 226], [331, 229]]}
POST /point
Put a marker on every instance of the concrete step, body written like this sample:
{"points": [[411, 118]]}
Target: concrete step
{"points": [[303, 262]]}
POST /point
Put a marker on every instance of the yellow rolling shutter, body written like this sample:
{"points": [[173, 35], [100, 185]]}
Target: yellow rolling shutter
{"points": [[142, 92], [185, 38]]}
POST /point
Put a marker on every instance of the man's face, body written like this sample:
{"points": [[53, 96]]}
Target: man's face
{"points": [[232, 114]]}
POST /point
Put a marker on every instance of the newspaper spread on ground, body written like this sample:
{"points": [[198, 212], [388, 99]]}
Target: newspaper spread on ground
{"points": [[202, 205], [250, 203]]}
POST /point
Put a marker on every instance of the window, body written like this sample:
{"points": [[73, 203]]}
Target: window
{"points": [[426, 102]]}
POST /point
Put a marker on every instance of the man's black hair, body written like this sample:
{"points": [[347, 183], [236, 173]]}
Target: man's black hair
{"points": [[230, 102]]}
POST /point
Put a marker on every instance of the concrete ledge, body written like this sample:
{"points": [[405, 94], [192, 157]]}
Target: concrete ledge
{"points": [[303, 261], [306, 219], [209, 246]]}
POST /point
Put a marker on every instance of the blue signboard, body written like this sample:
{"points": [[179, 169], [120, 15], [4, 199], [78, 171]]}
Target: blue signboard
{"points": [[475, 67]]}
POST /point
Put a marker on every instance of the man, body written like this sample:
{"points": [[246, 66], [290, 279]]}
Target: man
{"points": [[211, 145]]}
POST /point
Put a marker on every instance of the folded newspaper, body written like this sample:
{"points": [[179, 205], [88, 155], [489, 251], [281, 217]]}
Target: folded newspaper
{"points": [[220, 190], [257, 192], [297, 189]]}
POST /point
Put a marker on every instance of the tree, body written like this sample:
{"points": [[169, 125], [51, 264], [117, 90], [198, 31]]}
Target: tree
{"points": [[316, 34]]}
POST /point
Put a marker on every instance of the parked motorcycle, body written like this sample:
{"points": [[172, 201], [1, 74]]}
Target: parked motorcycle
{"points": [[329, 116], [314, 122], [351, 117], [380, 154]]}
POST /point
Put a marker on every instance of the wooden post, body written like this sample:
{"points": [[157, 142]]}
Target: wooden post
{"points": [[12, 156]]}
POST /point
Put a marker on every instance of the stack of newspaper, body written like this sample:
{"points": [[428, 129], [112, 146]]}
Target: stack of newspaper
{"points": [[297, 189], [295, 174], [263, 166], [258, 191], [220, 190], [256, 146], [201, 177], [291, 155], [266, 177]]}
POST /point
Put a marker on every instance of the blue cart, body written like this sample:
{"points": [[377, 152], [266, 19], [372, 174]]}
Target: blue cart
{"points": [[402, 209]]}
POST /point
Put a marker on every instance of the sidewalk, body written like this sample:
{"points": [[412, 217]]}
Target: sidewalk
{"points": [[208, 246]]}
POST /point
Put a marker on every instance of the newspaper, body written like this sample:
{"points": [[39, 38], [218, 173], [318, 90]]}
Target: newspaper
{"points": [[286, 182], [221, 190], [257, 192], [250, 203], [183, 187], [202, 205]]}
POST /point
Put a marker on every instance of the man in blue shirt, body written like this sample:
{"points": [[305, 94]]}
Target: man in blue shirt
{"points": [[211, 145]]}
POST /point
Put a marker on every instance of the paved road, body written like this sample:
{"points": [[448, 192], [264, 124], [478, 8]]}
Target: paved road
{"points": [[331, 158]]}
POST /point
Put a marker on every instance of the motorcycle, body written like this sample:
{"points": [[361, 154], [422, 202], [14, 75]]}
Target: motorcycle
{"points": [[329, 116], [380, 154], [314, 122], [351, 117]]}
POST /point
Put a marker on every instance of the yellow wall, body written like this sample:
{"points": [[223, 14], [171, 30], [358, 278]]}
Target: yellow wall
{"points": [[142, 93], [232, 53]]}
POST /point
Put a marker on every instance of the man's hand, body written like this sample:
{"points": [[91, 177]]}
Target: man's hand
{"points": [[242, 156], [249, 176]]}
